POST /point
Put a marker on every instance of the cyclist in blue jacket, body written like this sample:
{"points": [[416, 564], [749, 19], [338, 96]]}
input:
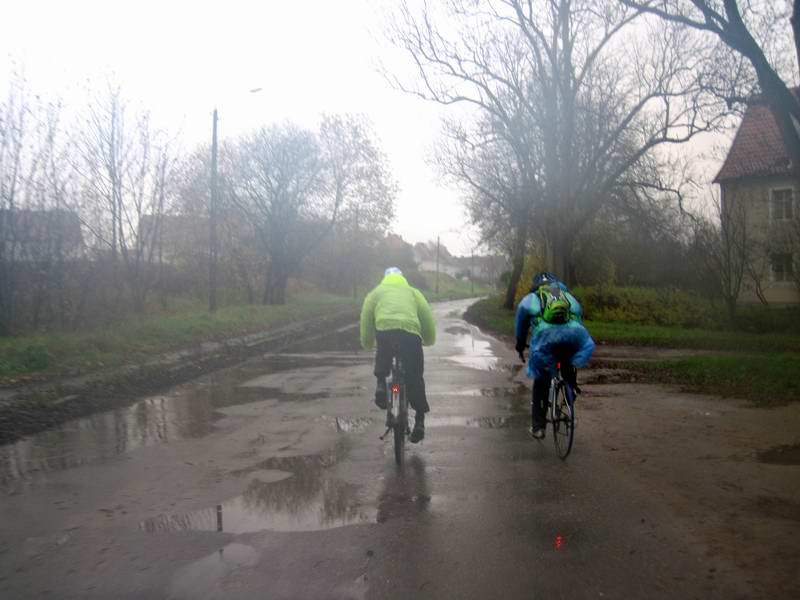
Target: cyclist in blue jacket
{"points": [[558, 336]]}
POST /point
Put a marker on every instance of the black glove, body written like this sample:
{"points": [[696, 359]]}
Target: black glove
{"points": [[520, 348]]}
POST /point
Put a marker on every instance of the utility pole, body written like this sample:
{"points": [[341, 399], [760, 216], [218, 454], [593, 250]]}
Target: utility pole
{"points": [[437, 264], [212, 222], [353, 256]]}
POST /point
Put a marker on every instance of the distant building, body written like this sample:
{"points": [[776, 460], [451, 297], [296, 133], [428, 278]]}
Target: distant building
{"points": [[36, 235], [484, 268], [758, 171], [176, 238]]}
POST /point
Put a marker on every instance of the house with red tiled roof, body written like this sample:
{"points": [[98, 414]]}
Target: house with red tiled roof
{"points": [[759, 185]]}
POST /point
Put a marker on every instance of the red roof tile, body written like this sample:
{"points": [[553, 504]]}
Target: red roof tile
{"points": [[757, 149]]}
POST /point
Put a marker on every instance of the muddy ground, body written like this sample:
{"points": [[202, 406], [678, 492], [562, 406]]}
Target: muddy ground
{"points": [[266, 479]]}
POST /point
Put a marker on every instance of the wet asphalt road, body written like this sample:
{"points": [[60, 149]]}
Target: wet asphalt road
{"points": [[268, 480]]}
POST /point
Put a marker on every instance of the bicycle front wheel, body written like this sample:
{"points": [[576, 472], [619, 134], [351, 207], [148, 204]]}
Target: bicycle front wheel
{"points": [[563, 417], [400, 429]]}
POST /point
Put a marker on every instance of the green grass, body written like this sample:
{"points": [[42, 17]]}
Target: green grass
{"points": [[490, 314], [698, 339], [765, 379], [143, 337]]}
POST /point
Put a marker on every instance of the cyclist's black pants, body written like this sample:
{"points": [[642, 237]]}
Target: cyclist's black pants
{"points": [[541, 389], [409, 349]]}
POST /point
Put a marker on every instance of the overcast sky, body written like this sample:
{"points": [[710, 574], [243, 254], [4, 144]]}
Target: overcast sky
{"points": [[182, 58]]}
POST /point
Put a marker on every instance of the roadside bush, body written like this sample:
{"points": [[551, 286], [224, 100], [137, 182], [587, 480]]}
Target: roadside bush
{"points": [[648, 306], [34, 357], [532, 266], [768, 319]]}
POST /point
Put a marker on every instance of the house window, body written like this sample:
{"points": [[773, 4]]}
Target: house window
{"points": [[781, 206], [782, 267]]}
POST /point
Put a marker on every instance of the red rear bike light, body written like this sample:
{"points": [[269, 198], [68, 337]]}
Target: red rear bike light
{"points": [[558, 366], [395, 389]]}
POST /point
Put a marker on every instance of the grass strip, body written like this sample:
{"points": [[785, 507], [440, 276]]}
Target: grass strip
{"points": [[144, 337], [488, 313], [765, 379]]}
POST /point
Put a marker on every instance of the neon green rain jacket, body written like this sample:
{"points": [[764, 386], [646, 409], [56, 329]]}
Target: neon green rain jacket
{"points": [[394, 304]]}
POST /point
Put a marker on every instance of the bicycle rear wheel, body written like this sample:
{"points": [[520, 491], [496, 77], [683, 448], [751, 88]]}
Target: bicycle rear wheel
{"points": [[400, 428], [563, 417]]}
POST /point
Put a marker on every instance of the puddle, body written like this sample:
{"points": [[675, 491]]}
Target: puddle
{"points": [[202, 578], [288, 505], [458, 330], [406, 493], [187, 411], [103, 436], [495, 422], [474, 353], [309, 500], [515, 391], [781, 455], [352, 424]]}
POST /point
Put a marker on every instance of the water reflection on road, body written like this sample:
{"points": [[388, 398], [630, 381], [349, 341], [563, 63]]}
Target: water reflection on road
{"points": [[190, 410], [473, 350], [307, 498]]}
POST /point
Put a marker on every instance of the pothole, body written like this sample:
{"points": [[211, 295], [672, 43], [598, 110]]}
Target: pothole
{"points": [[781, 455]]}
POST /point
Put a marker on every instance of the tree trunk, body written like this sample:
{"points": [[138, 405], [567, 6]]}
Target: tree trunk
{"points": [[518, 262], [561, 264], [730, 303], [268, 284], [795, 20]]}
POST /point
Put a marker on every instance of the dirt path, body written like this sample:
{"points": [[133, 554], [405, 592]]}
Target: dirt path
{"points": [[729, 472], [725, 469]]}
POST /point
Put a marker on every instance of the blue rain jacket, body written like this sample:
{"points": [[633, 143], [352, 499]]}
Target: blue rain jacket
{"points": [[549, 342]]}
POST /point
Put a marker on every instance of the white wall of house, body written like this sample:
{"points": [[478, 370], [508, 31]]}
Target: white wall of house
{"points": [[775, 224]]}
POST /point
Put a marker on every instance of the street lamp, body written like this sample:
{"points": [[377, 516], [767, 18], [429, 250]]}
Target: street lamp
{"points": [[212, 214], [212, 221]]}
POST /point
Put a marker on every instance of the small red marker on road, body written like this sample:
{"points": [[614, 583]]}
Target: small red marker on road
{"points": [[559, 544]]}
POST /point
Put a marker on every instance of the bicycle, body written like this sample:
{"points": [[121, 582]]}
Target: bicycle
{"points": [[562, 413], [397, 410]]}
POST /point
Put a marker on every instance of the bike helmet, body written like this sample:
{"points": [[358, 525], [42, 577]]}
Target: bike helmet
{"points": [[543, 278], [392, 271]]}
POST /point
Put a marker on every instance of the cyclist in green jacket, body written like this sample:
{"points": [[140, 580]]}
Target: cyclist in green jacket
{"points": [[399, 318]]}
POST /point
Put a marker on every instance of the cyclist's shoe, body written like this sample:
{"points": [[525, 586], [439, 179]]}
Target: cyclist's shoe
{"points": [[418, 433], [380, 395], [537, 433]]}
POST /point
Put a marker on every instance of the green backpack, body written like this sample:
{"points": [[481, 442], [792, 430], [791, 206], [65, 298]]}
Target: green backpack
{"points": [[555, 305]]}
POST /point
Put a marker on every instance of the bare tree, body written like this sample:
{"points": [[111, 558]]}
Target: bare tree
{"points": [[296, 185], [726, 248], [14, 118], [599, 102], [361, 183], [278, 183], [500, 200], [126, 167], [755, 30]]}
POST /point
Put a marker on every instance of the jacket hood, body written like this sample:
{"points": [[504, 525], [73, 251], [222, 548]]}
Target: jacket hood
{"points": [[394, 279]]}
